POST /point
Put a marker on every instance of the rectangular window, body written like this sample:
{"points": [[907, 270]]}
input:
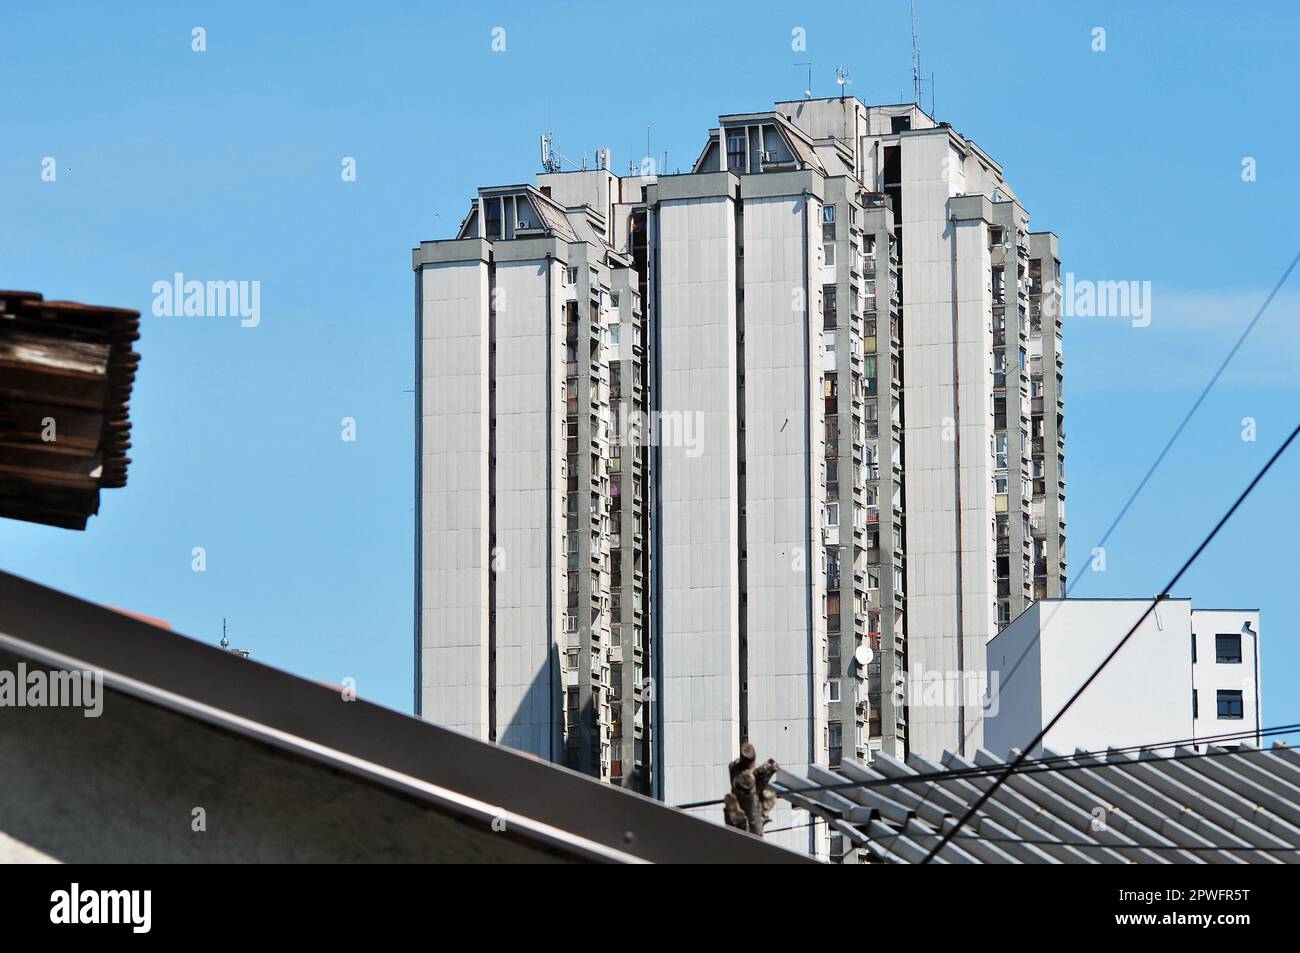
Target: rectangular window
{"points": [[1193, 648], [828, 213], [833, 690], [828, 253], [1229, 703], [736, 151], [1196, 708], [1227, 648], [494, 218]]}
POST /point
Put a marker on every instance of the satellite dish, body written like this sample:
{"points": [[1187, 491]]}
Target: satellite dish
{"points": [[864, 655]]}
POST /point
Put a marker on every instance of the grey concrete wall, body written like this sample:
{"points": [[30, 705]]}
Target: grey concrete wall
{"points": [[122, 788]]}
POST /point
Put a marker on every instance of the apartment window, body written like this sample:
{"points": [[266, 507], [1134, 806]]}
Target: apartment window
{"points": [[828, 254], [1196, 708], [493, 218], [570, 276], [736, 151], [835, 741], [1229, 703], [832, 514], [1193, 648], [1227, 649], [833, 690], [828, 214]]}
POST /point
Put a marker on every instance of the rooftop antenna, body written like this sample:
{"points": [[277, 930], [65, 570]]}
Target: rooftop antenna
{"points": [[551, 157], [916, 61], [225, 642], [807, 93], [549, 162], [842, 78]]}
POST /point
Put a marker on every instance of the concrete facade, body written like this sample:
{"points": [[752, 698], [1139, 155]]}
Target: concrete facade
{"points": [[850, 471], [697, 538], [1226, 674], [539, 673], [453, 560], [966, 287]]}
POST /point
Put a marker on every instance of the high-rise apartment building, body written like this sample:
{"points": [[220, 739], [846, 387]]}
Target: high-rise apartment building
{"points": [[845, 345], [531, 555]]}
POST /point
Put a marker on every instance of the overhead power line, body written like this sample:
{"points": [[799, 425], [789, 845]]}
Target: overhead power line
{"points": [[1164, 594], [1214, 379]]}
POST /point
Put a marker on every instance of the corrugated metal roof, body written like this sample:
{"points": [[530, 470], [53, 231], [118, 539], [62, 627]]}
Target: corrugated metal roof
{"points": [[1219, 806]]}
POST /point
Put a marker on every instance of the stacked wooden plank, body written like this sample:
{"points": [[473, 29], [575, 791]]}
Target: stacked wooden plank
{"points": [[66, 372]]}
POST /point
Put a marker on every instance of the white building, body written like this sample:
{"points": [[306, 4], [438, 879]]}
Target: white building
{"points": [[1186, 675], [852, 345]]}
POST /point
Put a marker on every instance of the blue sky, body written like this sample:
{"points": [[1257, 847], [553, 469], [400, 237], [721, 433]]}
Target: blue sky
{"points": [[226, 165]]}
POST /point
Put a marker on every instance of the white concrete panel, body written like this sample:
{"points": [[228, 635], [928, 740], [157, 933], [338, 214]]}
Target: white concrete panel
{"points": [[1143, 696], [783, 415], [454, 496], [1210, 676], [699, 525], [528, 372]]}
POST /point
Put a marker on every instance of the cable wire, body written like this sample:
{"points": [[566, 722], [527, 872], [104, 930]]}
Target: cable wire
{"points": [[1164, 594], [1214, 379]]}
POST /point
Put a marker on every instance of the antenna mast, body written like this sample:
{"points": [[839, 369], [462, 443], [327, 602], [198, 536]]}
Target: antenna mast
{"points": [[807, 93], [842, 78], [916, 61]]}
